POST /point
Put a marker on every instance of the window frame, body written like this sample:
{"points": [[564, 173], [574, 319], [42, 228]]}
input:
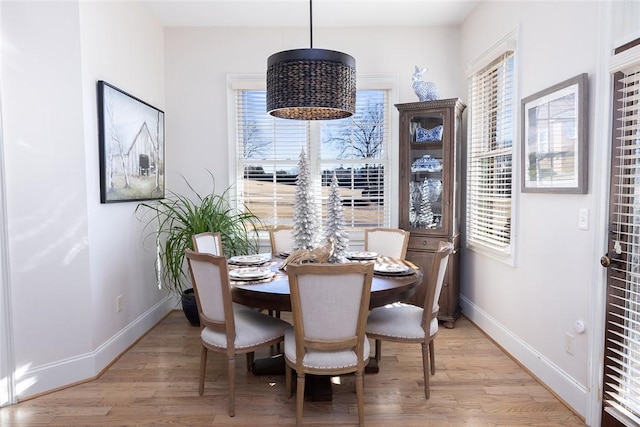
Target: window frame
{"points": [[508, 43], [619, 316], [388, 82]]}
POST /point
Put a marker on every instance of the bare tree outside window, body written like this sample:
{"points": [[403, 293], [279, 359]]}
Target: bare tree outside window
{"points": [[364, 138], [255, 145]]}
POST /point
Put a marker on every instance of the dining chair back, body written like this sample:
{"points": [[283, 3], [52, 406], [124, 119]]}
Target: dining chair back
{"points": [[226, 327], [281, 238], [407, 323], [208, 243], [391, 242], [329, 304]]}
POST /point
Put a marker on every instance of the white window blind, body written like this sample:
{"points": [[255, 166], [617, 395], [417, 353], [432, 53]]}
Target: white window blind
{"points": [[355, 149], [622, 343], [490, 155]]}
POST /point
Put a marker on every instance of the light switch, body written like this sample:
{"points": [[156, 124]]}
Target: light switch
{"points": [[583, 219]]}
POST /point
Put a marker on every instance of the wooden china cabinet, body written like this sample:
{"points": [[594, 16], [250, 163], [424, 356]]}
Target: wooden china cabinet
{"points": [[430, 144]]}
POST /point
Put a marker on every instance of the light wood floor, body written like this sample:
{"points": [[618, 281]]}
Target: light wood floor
{"points": [[156, 383]]}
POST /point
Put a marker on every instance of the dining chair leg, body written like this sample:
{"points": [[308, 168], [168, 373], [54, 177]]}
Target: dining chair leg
{"points": [[432, 357], [299, 398], [378, 350], [425, 371], [360, 397], [203, 368], [232, 385]]}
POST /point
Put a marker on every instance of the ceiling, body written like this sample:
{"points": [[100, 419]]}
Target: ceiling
{"points": [[295, 13]]}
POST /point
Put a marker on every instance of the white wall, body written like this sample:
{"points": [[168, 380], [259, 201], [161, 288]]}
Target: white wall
{"points": [[68, 255], [46, 188], [528, 308], [124, 46]]}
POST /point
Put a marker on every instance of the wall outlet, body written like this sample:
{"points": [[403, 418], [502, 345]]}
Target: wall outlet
{"points": [[568, 343], [583, 219], [118, 303]]}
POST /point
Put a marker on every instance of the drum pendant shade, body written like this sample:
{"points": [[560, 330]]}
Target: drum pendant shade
{"points": [[311, 84]]}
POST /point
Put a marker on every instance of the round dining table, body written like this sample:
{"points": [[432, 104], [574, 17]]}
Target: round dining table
{"points": [[273, 294]]}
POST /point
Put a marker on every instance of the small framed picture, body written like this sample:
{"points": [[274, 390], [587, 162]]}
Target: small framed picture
{"points": [[131, 138], [554, 138]]}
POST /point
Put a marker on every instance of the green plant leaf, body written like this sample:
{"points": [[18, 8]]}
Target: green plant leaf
{"points": [[172, 222]]}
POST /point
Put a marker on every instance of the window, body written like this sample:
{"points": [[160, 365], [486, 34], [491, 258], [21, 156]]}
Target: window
{"points": [[621, 395], [490, 156], [355, 149]]}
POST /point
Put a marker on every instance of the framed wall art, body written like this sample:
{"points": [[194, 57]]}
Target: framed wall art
{"points": [[131, 138], [554, 138]]}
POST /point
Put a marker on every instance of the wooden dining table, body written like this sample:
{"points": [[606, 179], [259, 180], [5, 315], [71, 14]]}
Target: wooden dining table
{"points": [[273, 294]]}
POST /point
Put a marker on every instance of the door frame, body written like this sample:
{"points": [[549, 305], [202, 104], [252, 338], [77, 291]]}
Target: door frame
{"points": [[607, 65], [601, 188]]}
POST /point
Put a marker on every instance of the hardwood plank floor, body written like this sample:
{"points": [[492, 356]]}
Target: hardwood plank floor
{"points": [[156, 383]]}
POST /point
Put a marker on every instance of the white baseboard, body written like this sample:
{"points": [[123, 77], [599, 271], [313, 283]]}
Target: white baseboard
{"points": [[33, 381], [563, 385]]}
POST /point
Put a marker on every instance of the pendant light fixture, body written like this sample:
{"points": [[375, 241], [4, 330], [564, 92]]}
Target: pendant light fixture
{"points": [[311, 84]]}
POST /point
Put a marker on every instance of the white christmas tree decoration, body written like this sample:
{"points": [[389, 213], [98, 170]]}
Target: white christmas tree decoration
{"points": [[335, 223], [306, 227]]}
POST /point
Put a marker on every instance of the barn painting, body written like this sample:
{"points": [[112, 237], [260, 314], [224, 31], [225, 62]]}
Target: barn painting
{"points": [[131, 137]]}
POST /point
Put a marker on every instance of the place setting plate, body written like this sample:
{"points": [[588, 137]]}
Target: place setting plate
{"points": [[249, 260], [362, 256], [251, 273], [386, 269]]}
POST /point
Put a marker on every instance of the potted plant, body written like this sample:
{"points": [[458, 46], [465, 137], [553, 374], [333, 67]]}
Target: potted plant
{"points": [[173, 220]]}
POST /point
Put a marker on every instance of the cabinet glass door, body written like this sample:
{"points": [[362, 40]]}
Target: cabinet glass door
{"points": [[427, 169]]}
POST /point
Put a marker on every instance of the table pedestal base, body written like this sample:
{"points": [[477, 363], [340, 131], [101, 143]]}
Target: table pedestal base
{"points": [[317, 387], [372, 367], [273, 365]]}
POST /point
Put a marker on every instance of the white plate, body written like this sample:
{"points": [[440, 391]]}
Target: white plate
{"points": [[249, 259], [390, 268], [251, 273], [362, 255]]}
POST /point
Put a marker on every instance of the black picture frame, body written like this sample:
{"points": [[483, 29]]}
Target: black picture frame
{"points": [[555, 138], [131, 137]]}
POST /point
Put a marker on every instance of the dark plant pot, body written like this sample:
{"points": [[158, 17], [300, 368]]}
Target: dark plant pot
{"points": [[190, 307]]}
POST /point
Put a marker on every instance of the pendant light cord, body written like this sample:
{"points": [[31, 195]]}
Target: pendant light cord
{"points": [[311, 24]]}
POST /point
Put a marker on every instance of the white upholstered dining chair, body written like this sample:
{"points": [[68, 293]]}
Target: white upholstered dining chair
{"points": [[226, 327], [407, 323], [391, 242], [329, 303], [208, 243], [281, 237]]}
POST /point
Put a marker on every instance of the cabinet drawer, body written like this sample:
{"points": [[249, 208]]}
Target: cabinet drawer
{"points": [[423, 243]]}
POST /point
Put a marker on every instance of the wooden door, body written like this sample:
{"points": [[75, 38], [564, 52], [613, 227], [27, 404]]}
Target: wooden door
{"points": [[621, 379]]}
